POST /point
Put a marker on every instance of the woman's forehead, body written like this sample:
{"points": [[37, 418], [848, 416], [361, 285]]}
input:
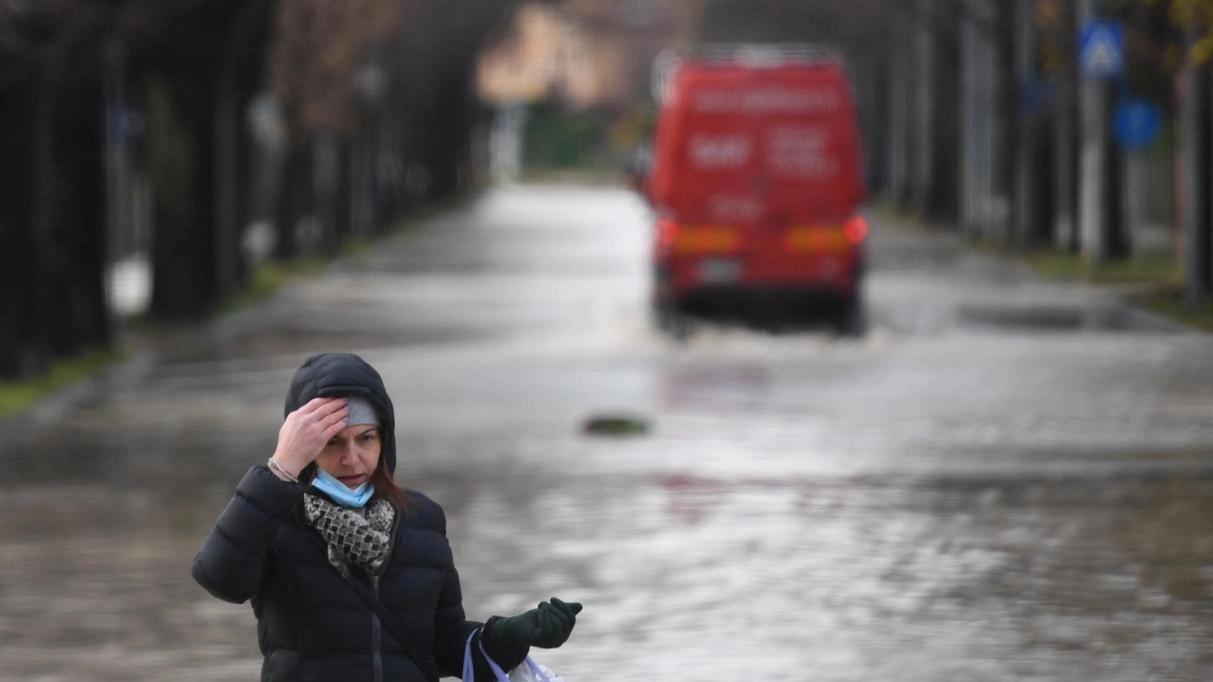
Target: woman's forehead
{"points": [[354, 430]]}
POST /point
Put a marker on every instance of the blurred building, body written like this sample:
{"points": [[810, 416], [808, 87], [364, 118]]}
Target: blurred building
{"points": [[587, 54]]}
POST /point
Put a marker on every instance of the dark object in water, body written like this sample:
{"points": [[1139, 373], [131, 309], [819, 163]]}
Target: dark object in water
{"points": [[615, 425]]}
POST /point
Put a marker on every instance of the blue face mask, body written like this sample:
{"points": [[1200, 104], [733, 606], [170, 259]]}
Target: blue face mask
{"points": [[339, 493]]}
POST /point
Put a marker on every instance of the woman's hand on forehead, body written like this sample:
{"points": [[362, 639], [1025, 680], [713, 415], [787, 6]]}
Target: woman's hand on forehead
{"points": [[323, 404], [306, 430]]}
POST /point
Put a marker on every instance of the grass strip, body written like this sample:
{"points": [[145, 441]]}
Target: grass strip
{"points": [[269, 278], [20, 395], [1159, 269], [1171, 302], [1160, 277]]}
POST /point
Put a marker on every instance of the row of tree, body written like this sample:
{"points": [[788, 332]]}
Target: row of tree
{"points": [[979, 114], [371, 104]]}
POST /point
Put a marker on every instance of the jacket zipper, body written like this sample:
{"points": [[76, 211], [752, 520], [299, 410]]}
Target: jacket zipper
{"points": [[376, 635], [376, 626]]}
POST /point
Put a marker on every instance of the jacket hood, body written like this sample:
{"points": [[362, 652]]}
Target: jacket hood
{"points": [[343, 374]]}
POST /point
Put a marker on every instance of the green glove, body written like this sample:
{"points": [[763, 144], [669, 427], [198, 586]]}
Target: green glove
{"points": [[546, 627]]}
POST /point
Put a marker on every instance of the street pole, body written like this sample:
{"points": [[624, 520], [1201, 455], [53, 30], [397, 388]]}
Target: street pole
{"points": [[1092, 199], [898, 137], [924, 60], [992, 208], [1025, 205], [1064, 238], [969, 75]]}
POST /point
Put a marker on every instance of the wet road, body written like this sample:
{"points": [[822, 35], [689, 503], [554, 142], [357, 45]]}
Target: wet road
{"points": [[1003, 480]]}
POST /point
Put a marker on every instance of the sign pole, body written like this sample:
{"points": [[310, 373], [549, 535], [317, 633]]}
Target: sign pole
{"points": [[1091, 197]]}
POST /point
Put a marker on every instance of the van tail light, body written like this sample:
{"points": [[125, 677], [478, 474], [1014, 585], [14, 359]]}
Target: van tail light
{"points": [[856, 230], [667, 233]]}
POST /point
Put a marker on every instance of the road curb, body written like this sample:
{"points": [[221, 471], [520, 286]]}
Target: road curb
{"points": [[144, 352]]}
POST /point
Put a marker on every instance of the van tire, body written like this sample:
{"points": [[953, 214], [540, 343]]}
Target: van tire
{"points": [[851, 320], [670, 320]]}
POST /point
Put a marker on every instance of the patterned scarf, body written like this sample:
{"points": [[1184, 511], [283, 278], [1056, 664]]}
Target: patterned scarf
{"points": [[355, 537]]}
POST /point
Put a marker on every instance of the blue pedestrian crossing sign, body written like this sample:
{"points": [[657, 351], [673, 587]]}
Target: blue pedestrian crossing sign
{"points": [[1101, 49]]}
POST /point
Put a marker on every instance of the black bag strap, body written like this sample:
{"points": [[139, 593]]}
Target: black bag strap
{"points": [[389, 621]]}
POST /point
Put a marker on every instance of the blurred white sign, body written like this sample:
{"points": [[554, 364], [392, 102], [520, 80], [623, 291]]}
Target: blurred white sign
{"points": [[719, 151], [801, 152], [734, 208]]}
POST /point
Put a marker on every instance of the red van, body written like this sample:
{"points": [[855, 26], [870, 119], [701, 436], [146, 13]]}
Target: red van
{"points": [[757, 181]]}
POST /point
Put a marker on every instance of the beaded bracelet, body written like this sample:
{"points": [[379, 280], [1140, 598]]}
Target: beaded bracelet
{"points": [[274, 466]]}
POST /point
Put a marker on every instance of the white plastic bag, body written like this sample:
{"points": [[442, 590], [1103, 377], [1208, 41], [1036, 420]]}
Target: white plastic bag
{"points": [[530, 671], [527, 671]]}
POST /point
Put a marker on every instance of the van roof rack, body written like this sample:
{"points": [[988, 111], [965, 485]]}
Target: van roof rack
{"points": [[764, 54], [756, 55]]}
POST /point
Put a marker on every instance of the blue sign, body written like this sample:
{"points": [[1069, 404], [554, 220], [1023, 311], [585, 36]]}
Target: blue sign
{"points": [[1035, 96], [1101, 49], [1136, 122]]}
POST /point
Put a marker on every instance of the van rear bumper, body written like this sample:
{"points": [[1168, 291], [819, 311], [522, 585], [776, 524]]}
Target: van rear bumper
{"points": [[781, 300], [676, 280], [758, 300]]}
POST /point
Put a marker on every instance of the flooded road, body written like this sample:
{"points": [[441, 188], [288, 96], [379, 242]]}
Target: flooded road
{"points": [[1004, 479]]}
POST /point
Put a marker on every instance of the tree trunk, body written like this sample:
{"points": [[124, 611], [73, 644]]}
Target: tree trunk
{"points": [[449, 123], [81, 158], [227, 184], [183, 240], [925, 100], [1065, 147], [1116, 235], [973, 190], [899, 130], [882, 107], [1194, 180], [1007, 135], [52, 214], [19, 271], [1041, 177], [326, 157], [295, 194], [943, 199], [1024, 114], [343, 199], [69, 217]]}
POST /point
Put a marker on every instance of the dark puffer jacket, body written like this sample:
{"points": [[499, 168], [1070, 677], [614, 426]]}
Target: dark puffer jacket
{"points": [[312, 624]]}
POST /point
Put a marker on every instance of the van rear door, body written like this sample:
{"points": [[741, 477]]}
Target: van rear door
{"points": [[746, 147]]}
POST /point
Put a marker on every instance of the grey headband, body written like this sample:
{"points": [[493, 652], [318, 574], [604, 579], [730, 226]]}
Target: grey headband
{"points": [[361, 412]]}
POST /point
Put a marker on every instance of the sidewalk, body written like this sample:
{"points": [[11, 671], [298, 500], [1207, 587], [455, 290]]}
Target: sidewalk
{"points": [[1143, 288]]}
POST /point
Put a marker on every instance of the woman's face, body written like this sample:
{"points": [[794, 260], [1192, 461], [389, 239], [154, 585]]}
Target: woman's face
{"points": [[352, 455]]}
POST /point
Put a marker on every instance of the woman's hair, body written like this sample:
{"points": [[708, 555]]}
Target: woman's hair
{"points": [[386, 488]]}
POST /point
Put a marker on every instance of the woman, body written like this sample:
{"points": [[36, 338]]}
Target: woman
{"points": [[351, 577]]}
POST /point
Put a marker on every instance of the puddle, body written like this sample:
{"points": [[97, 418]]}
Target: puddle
{"points": [[1046, 318]]}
